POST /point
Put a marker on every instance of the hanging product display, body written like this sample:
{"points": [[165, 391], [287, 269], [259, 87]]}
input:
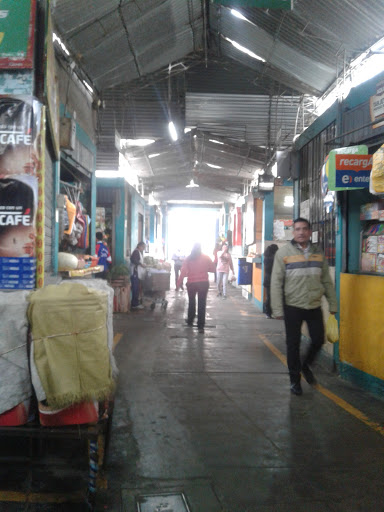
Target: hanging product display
{"points": [[20, 159], [376, 182], [372, 247]]}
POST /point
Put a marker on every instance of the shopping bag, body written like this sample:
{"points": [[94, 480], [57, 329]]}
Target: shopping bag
{"points": [[332, 329]]}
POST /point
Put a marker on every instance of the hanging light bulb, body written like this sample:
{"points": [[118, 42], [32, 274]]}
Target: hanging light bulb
{"points": [[191, 184]]}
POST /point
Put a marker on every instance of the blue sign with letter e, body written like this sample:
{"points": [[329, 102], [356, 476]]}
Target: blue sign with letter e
{"points": [[352, 179]]}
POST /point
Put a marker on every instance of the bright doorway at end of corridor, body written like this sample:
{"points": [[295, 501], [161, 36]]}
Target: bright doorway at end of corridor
{"points": [[187, 226]]}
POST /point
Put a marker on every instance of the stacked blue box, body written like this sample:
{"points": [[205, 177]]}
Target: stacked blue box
{"points": [[244, 275], [17, 273]]}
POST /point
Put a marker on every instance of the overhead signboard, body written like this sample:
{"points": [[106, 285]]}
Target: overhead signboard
{"points": [[286, 5], [347, 168], [376, 105], [353, 171], [16, 45]]}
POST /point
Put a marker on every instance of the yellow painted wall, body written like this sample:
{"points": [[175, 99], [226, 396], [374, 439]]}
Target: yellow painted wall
{"points": [[256, 282], [362, 323]]}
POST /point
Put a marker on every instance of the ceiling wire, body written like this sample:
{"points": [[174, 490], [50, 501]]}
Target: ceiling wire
{"points": [[120, 11]]}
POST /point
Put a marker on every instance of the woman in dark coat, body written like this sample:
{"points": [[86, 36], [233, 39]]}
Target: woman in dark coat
{"points": [[269, 256]]}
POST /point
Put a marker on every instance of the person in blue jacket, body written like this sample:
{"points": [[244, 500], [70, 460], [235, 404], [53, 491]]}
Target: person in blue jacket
{"points": [[102, 252]]}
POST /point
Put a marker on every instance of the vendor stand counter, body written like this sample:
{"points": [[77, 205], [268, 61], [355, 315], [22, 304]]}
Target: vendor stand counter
{"points": [[97, 434], [82, 272], [156, 283]]}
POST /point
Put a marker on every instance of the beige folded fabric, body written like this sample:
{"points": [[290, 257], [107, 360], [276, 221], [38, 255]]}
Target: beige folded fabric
{"points": [[70, 349]]}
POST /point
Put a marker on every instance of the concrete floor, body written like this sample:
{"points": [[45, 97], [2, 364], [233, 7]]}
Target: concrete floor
{"points": [[211, 416]]}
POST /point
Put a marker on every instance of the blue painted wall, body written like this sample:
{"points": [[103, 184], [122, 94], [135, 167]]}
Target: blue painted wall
{"points": [[137, 206], [268, 215], [120, 233], [152, 220]]}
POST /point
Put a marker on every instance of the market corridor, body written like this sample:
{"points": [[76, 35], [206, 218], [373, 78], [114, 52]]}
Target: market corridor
{"points": [[211, 416]]}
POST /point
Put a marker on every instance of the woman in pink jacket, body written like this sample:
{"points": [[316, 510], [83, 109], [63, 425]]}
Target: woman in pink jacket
{"points": [[224, 265], [196, 268]]}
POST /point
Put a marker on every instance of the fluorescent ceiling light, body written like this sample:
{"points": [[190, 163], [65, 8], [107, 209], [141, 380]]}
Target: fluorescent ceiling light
{"points": [[238, 14], [191, 184], [266, 185], [288, 201], [187, 130], [110, 174], [274, 170], [136, 142], [56, 38], [172, 131], [153, 155], [216, 141], [151, 199], [214, 166], [379, 46], [244, 50], [88, 86]]}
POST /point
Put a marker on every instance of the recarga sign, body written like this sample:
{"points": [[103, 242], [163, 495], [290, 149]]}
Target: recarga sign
{"points": [[353, 171], [348, 168]]}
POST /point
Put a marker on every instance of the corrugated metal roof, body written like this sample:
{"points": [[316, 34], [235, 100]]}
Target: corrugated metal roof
{"points": [[125, 48], [276, 53], [318, 31], [225, 75], [120, 41], [245, 117]]}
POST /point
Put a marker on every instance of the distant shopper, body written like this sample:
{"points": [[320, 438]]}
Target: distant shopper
{"points": [[137, 275], [269, 256], [102, 252], [218, 247], [300, 277], [224, 265], [178, 259], [196, 267]]}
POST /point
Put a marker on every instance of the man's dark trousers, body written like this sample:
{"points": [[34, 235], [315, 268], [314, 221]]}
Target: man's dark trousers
{"points": [[201, 290], [293, 318]]}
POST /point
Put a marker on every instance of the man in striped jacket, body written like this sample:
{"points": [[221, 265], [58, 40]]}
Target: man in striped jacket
{"points": [[300, 277]]}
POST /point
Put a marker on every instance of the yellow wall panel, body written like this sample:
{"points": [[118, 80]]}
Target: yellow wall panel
{"points": [[362, 323], [256, 282]]}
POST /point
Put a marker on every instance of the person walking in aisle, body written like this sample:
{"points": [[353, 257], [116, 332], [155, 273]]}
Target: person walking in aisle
{"points": [[137, 275], [178, 258], [218, 247], [300, 277], [224, 265], [196, 267], [269, 256]]}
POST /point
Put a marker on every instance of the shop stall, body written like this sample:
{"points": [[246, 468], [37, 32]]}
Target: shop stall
{"points": [[58, 368]]}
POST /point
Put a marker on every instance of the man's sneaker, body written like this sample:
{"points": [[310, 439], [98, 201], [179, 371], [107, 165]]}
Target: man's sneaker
{"points": [[201, 330], [296, 388], [308, 375], [140, 306]]}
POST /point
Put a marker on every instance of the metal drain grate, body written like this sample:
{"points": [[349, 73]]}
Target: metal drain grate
{"points": [[162, 503]]}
